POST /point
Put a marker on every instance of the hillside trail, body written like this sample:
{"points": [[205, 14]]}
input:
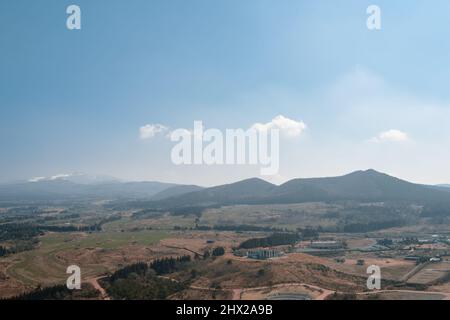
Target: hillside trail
{"points": [[97, 286]]}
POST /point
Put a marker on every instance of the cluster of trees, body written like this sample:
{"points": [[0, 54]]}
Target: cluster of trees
{"points": [[18, 231], [59, 292], [145, 286], [219, 251], [372, 226], [422, 260], [23, 235], [19, 246], [26, 231], [168, 265], [137, 268], [385, 242], [240, 228], [90, 228], [139, 281], [203, 228], [159, 266], [277, 239]]}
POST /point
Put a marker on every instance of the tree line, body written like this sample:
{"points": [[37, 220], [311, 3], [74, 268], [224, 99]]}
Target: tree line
{"points": [[26, 231], [160, 266], [19, 246], [58, 292], [240, 228], [372, 226], [142, 286], [140, 281], [276, 239], [168, 265], [18, 231]]}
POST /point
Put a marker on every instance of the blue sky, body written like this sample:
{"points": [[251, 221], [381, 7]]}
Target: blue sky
{"points": [[75, 100]]}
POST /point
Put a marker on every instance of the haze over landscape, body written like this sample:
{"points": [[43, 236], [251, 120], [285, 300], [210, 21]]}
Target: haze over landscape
{"points": [[368, 185], [354, 120]]}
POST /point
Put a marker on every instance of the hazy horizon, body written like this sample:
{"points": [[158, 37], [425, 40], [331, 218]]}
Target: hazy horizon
{"points": [[111, 178], [104, 98]]}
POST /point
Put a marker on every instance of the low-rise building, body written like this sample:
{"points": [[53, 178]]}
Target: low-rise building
{"points": [[259, 254], [326, 245]]}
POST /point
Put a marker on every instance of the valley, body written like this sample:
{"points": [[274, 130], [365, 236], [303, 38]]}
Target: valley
{"points": [[235, 245]]}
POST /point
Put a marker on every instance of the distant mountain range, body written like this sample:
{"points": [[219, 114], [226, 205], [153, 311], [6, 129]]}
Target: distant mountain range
{"points": [[77, 177], [79, 186], [367, 185], [370, 185]]}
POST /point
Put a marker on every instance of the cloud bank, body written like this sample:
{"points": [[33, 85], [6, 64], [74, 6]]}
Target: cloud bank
{"points": [[288, 127], [392, 135], [149, 131]]}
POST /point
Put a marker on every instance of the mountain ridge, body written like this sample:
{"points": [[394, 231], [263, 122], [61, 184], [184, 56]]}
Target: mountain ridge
{"points": [[368, 185]]}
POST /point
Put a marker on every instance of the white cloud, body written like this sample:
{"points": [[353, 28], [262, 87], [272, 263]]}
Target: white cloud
{"points": [[151, 130], [288, 127], [61, 176], [392, 135]]}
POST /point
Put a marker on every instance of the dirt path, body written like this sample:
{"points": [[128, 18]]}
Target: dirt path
{"points": [[413, 272], [325, 294], [237, 294], [97, 286]]}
